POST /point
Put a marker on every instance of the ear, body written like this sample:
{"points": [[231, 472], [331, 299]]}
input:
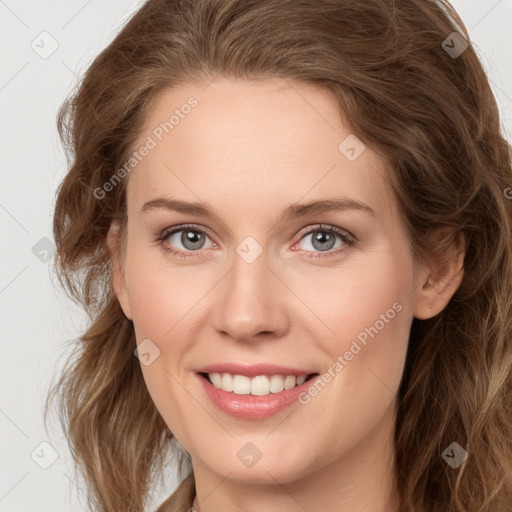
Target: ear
{"points": [[439, 279], [118, 282]]}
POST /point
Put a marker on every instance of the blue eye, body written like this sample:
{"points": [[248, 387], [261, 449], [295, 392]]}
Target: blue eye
{"points": [[192, 238], [324, 239]]}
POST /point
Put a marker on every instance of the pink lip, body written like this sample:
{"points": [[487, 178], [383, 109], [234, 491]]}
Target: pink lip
{"points": [[253, 407], [253, 370]]}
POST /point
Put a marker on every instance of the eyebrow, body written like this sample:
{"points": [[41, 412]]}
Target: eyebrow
{"points": [[293, 211]]}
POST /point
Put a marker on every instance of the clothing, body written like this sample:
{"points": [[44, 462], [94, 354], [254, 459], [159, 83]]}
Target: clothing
{"points": [[182, 499]]}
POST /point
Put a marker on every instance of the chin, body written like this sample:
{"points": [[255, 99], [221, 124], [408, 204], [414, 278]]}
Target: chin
{"points": [[265, 466]]}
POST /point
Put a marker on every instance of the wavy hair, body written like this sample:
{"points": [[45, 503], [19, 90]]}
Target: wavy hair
{"points": [[434, 120]]}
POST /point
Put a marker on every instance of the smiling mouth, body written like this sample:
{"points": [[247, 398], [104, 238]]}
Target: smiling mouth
{"points": [[260, 385]]}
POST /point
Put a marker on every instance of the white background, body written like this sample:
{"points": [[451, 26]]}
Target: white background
{"points": [[36, 317]]}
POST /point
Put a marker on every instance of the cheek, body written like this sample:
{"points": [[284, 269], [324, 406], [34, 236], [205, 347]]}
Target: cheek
{"points": [[370, 312], [371, 319], [160, 296], [364, 299], [161, 303]]}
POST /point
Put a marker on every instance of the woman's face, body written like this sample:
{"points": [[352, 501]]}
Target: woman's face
{"points": [[258, 282]]}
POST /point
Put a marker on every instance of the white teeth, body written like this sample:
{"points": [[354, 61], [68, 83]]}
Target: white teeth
{"points": [[241, 385], [259, 386], [216, 379], [276, 383], [227, 382], [301, 379], [289, 382]]}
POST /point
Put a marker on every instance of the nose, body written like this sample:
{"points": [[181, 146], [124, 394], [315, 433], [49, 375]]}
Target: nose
{"points": [[251, 302]]}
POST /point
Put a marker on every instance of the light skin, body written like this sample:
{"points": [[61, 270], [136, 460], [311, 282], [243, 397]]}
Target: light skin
{"points": [[249, 150]]}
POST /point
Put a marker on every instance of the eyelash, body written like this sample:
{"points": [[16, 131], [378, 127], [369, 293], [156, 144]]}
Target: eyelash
{"points": [[346, 239]]}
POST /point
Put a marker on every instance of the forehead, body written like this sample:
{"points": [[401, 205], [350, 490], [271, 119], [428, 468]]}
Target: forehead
{"points": [[253, 139]]}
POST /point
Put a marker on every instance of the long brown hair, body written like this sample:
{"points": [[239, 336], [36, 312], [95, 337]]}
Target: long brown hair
{"points": [[428, 112]]}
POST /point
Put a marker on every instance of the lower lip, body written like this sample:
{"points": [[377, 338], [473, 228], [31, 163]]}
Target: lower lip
{"points": [[253, 407]]}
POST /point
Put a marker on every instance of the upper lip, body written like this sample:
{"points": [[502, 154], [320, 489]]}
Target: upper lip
{"points": [[252, 370]]}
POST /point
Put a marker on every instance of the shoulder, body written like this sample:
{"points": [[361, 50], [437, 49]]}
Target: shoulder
{"points": [[182, 498]]}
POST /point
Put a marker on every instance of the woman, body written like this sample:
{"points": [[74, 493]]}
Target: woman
{"points": [[290, 222]]}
